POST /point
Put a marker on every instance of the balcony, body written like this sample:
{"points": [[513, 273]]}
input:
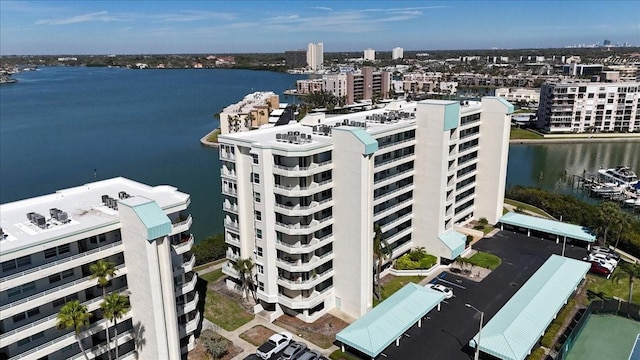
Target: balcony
{"points": [[387, 196], [388, 211], [300, 248], [303, 229], [190, 345], [65, 340], [186, 266], [70, 262], [232, 240], [102, 348], [293, 171], [183, 244], [395, 222], [300, 284], [290, 209], [48, 322], [41, 298], [297, 190], [181, 226], [387, 180], [228, 173], [187, 287], [385, 164], [227, 156], [229, 191], [305, 302], [388, 147], [190, 326], [228, 206], [228, 269], [232, 225], [297, 265], [190, 305]]}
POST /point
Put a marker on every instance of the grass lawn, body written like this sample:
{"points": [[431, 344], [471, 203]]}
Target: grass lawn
{"points": [[257, 335], [608, 288], [339, 355], [396, 284], [528, 207], [212, 276], [214, 136], [518, 133], [485, 260]]}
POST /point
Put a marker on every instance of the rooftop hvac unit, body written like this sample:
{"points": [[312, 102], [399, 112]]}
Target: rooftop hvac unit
{"points": [[123, 195], [61, 216], [53, 212], [104, 199], [30, 216], [278, 136], [40, 221]]}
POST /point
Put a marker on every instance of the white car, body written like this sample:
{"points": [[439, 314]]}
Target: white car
{"points": [[603, 257], [447, 291], [274, 345]]}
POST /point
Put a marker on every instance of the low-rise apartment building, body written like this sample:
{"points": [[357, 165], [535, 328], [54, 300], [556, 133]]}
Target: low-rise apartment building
{"points": [[48, 245], [250, 113], [578, 107], [519, 95], [301, 200]]}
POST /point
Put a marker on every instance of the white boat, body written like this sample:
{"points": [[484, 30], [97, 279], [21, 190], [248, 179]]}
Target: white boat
{"points": [[607, 189], [620, 175], [632, 202]]}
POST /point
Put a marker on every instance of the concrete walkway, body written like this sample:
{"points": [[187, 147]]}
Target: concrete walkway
{"points": [[234, 336]]}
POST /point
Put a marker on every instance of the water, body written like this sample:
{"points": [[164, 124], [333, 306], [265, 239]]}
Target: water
{"points": [[60, 123]]}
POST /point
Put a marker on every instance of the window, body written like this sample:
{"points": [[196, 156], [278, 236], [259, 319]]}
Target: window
{"points": [[64, 300], [258, 251], [31, 338], [98, 239], [259, 233], [255, 158], [26, 314], [258, 215], [260, 268], [261, 285], [256, 197], [16, 263], [256, 178], [22, 289]]}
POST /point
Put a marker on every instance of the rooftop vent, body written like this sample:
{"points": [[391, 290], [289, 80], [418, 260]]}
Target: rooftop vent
{"points": [[109, 202], [59, 215], [123, 195], [37, 220], [294, 137]]}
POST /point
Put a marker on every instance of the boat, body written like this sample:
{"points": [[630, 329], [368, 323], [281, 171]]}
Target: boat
{"points": [[621, 175], [632, 202], [607, 189]]}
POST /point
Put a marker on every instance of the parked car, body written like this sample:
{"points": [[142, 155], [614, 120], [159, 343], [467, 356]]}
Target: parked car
{"points": [[603, 257], [310, 355], [597, 268], [602, 263], [293, 351], [605, 251], [275, 343], [447, 291]]}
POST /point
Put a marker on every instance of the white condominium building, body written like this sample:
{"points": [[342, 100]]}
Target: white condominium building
{"points": [[315, 56], [589, 107], [369, 55], [48, 245], [301, 200], [249, 113], [397, 53]]}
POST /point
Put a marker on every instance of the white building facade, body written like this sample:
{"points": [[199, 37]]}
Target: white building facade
{"points": [[301, 200], [589, 107], [315, 56], [520, 95], [48, 244], [369, 55], [397, 53]]}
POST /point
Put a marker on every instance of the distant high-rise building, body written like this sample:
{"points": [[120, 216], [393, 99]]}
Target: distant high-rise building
{"points": [[369, 55], [397, 53], [606, 42], [368, 84], [315, 56], [295, 58]]}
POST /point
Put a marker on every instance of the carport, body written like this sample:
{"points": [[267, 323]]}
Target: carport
{"points": [[557, 228], [516, 328], [388, 321]]}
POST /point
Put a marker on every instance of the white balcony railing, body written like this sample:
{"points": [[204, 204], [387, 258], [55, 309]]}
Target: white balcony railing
{"points": [[187, 287], [184, 246]]}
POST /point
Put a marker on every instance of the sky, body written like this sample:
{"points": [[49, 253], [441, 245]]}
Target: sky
{"points": [[163, 27]]}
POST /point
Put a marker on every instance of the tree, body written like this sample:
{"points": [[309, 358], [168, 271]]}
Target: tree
{"points": [[622, 222], [114, 307], [74, 315], [608, 213], [381, 252], [103, 271], [632, 271], [244, 267]]}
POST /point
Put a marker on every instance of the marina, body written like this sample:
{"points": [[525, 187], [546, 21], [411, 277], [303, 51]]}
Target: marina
{"points": [[618, 184]]}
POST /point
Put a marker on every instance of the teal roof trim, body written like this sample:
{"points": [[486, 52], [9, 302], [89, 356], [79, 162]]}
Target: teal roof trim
{"points": [[516, 328], [510, 107], [455, 241], [451, 115], [154, 219], [548, 226], [370, 144], [381, 326]]}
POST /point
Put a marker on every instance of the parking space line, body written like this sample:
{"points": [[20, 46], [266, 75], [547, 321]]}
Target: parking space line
{"points": [[450, 283]]}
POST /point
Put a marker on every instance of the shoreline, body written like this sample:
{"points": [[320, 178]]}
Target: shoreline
{"points": [[575, 140], [207, 143]]}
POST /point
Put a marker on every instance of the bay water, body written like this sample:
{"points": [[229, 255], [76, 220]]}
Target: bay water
{"points": [[65, 126]]}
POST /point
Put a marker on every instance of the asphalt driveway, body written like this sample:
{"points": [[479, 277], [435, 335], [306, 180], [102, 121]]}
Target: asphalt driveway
{"points": [[445, 334]]}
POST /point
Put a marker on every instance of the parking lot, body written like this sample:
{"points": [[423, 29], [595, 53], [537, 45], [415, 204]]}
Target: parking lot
{"points": [[445, 334]]}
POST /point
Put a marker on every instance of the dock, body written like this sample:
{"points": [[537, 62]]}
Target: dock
{"points": [[593, 186]]}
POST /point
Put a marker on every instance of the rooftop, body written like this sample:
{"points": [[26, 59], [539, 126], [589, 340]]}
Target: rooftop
{"points": [[84, 207], [249, 102], [548, 226]]}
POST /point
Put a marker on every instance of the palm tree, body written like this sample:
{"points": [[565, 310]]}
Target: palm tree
{"points": [[244, 267], [630, 270], [608, 213], [103, 270], [381, 252], [623, 221], [76, 316], [114, 307]]}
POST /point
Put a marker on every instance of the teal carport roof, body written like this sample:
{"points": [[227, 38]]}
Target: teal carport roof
{"points": [[386, 322], [516, 328], [548, 226], [151, 215], [455, 241]]}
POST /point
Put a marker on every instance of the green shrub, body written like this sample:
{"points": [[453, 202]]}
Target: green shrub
{"points": [[537, 354], [210, 249], [483, 221], [404, 262], [427, 262], [215, 344]]}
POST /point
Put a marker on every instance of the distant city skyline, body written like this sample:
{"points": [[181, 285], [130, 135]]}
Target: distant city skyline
{"points": [[163, 27]]}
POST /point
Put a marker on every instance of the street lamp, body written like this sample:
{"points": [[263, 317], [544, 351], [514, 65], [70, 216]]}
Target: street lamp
{"points": [[477, 354]]}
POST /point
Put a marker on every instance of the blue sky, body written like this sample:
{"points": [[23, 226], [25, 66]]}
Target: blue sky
{"points": [[157, 27]]}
